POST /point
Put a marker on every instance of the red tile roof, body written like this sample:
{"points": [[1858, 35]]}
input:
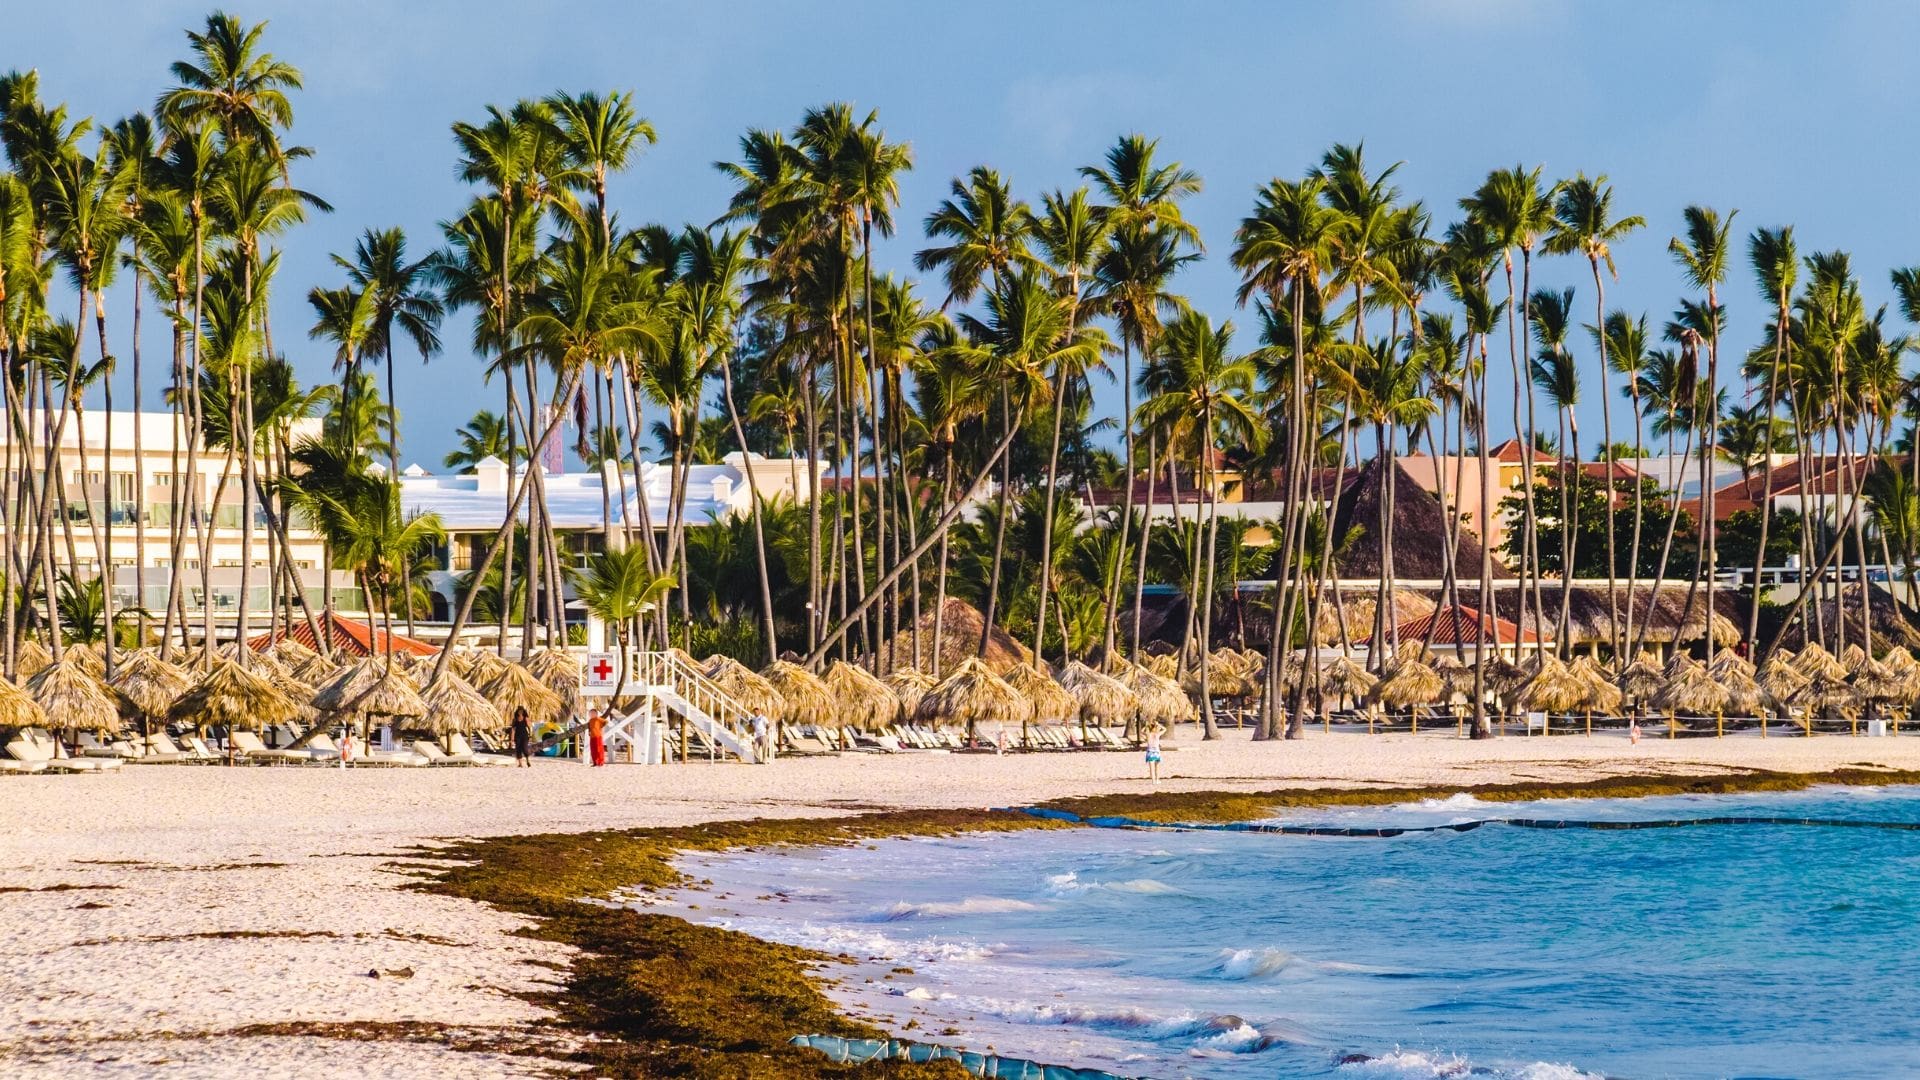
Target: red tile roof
{"points": [[347, 636], [1462, 625]]}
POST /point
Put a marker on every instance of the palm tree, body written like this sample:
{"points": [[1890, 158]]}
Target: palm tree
{"points": [[378, 543], [482, 437], [1623, 340], [1027, 331], [232, 86], [1584, 224], [1072, 235], [1198, 388], [1284, 250], [1556, 375], [397, 298], [1515, 210], [1703, 258], [1150, 239]]}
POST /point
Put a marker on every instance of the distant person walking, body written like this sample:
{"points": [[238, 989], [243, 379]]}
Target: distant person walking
{"points": [[1153, 752], [597, 738], [522, 738]]}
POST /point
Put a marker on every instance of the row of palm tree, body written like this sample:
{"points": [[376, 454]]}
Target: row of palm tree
{"points": [[934, 418]]}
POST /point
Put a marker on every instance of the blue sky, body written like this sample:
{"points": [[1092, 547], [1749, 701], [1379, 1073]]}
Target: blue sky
{"points": [[1790, 113]]}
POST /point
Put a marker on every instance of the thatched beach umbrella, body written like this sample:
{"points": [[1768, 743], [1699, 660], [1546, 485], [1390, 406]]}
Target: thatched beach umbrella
{"points": [[1161, 699], [483, 668], [229, 696], [17, 710], [460, 661], [1103, 700], [340, 692], [514, 687], [1727, 660], [290, 652], [1554, 689], [453, 705], [1051, 704], [1166, 666], [909, 685], [391, 695], [973, 695], [747, 689], [1693, 690], [1410, 683], [807, 699], [1639, 681], [1602, 696], [149, 684], [860, 700], [559, 671], [73, 698], [1814, 662], [29, 657], [1826, 693]]}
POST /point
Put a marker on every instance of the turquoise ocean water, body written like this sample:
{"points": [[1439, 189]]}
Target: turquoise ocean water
{"points": [[1751, 950]]}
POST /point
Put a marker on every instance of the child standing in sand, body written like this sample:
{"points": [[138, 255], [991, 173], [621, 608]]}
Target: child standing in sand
{"points": [[1153, 753]]}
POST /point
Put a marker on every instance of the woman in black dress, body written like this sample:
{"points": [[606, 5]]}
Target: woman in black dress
{"points": [[522, 738]]}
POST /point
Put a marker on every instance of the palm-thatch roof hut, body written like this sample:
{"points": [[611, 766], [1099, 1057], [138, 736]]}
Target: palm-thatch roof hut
{"points": [[73, 698], [1779, 681], [453, 705], [148, 684], [392, 695], [29, 657], [1894, 623], [1103, 700], [1422, 528], [1355, 613], [1051, 703], [960, 626], [229, 696], [17, 709], [1815, 662], [806, 699], [860, 700], [909, 685], [1347, 677], [745, 686], [1875, 682], [1409, 682], [1639, 681], [1694, 691], [340, 692], [558, 668], [514, 687], [974, 696], [1554, 688], [1160, 699]]}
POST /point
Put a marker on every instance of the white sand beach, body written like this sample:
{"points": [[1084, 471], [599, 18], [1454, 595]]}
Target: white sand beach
{"points": [[121, 956]]}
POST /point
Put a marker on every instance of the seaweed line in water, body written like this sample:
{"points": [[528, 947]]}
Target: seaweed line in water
{"points": [[1120, 822]]}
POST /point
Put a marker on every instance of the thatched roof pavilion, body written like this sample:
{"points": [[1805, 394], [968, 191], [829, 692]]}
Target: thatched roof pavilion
{"points": [[230, 696], [514, 687], [455, 706], [1894, 623], [745, 686], [1103, 699], [29, 656], [1695, 691], [1409, 682], [74, 698], [909, 685], [960, 625], [149, 684], [860, 700], [1161, 700], [1422, 528], [1051, 703], [17, 709], [973, 695], [807, 699]]}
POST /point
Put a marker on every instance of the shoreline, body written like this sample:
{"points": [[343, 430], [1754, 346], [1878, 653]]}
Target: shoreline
{"points": [[215, 919]]}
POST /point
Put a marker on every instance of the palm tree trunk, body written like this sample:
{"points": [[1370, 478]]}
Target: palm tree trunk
{"points": [[940, 577], [1126, 498], [1000, 527], [1146, 535], [759, 529]]}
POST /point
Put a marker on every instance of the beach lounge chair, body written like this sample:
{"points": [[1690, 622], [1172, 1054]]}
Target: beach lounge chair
{"points": [[807, 740], [31, 745], [431, 753], [198, 750], [459, 748], [157, 749], [19, 757], [246, 746]]}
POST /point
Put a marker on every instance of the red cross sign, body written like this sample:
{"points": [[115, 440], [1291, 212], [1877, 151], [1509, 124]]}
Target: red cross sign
{"points": [[597, 673]]}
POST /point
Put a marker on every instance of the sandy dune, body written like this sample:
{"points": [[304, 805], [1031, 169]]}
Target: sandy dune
{"points": [[124, 954]]}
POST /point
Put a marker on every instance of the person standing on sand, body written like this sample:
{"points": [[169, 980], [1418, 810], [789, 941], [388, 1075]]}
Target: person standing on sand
{"points": [[762, 737], [1153, 753], [522, 738], [597, 738]]}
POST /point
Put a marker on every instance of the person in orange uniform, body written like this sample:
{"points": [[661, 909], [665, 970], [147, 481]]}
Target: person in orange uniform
{"points": [[597, 737]]}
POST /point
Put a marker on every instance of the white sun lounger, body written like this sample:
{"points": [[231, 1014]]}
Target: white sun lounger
{"points": [[34, 746], [460, 750]]}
